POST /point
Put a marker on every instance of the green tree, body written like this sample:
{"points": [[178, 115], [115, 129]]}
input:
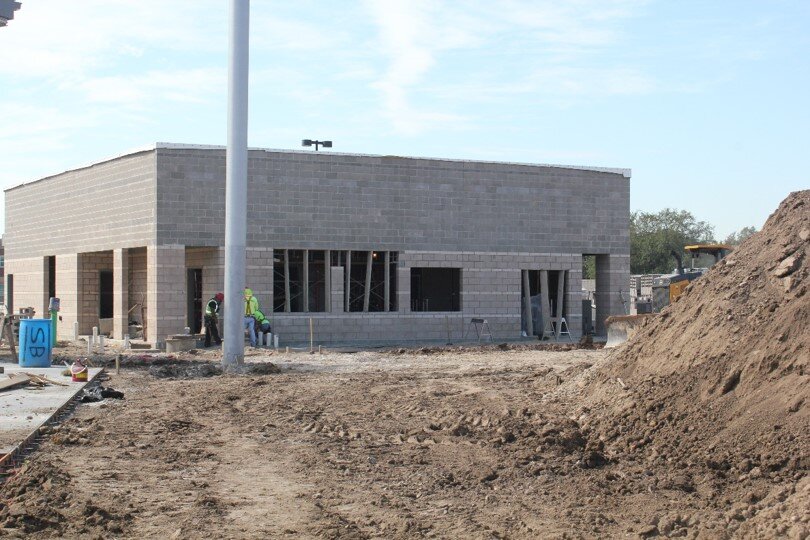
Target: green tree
{"points": [[737, 238], [653, 236]]}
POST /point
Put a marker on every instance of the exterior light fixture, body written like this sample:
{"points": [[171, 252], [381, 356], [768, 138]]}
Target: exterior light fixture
{"points": [[7, 9], [310, 142]]}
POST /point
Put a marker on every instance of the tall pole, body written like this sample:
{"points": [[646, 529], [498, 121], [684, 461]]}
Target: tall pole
{"points": [[236, 183]]}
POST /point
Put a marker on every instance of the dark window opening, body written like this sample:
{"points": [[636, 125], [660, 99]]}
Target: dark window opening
{"points": [[51, 277], [357, 283], [538, 297], [435, 289], [194, 299], [10, 293], [289, 276], [105, 294]]}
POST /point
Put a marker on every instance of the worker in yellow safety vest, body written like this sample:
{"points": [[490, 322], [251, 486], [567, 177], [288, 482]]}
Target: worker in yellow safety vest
{"points": [[251, 307]]}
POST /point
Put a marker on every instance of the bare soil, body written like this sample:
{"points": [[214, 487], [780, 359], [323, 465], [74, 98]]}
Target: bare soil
{"points": [[374, 444], [699, 427]]}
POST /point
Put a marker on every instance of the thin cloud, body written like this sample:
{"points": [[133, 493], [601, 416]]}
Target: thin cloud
{"points": [[414, 36]]}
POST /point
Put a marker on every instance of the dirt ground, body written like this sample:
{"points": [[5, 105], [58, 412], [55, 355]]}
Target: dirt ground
{"points": [[452, 444]]}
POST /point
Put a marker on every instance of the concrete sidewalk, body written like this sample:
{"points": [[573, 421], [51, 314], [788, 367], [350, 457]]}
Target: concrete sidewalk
{"points": [[24, 409]]}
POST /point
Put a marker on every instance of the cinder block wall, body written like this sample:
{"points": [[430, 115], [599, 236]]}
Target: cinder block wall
{"points": [[100, 207], [30, 284], [491, 289], [137, 282], [90, 265], [323, 200]]}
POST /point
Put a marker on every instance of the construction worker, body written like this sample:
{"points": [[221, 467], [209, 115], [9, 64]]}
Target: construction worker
{"points": [[251, 307], [262, 324], [212, 319]]}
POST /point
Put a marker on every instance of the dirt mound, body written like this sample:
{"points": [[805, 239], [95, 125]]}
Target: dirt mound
{"points": [[57, 507], [717, 386]]}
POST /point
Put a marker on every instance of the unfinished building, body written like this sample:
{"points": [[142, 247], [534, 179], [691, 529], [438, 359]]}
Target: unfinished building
{"points": [[370, 248]]}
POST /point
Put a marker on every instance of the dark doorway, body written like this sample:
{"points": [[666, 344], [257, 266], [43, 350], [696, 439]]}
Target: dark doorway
{"points": [[195, 299], [435, 289], [105, 294], [10, 293], [51, 277]]}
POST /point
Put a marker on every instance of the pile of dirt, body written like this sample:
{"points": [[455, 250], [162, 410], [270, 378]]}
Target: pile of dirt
{"points": [[41, 497], [717, 386]]}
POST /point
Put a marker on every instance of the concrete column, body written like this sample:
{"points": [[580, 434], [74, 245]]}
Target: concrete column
{"points": [[305, 281], [347, 275], [545, 308], [612, 283], [69, 291], [336, 274], [120, 293], [327, 281], [527, 304], [30, 284], [259, 276], [367, 287], [166, 291], [573, 298], [387, 291], [404, 289]]}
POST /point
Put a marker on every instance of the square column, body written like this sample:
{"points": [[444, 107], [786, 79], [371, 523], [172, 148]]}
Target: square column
{"points": [[69, 291], [259, 277], [404, 290], [612, 285], [337, 289], [120, 293], [573, 298], [166, 291]]}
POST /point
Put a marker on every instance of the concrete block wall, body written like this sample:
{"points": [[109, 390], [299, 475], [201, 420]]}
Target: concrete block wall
{"points": [[137, 283], [325, 200], [68, 289], [89, 283], [338, 289], [166, 291], [611, 286], [120, 293], [491, 289], [259, 276], [30, 284], [99, 207]]}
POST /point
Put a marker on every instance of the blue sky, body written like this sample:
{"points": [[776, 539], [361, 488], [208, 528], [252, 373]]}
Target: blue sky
{"points": [[707, 102]]}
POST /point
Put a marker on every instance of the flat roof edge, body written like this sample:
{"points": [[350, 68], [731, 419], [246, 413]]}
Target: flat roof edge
{"points": [[613, 170], [131, 152]]}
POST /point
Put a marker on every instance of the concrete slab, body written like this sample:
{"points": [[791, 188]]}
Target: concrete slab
{"points": [[22, 410]]}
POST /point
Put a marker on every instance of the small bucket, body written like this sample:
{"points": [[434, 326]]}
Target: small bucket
{"points": [[78, 372]]}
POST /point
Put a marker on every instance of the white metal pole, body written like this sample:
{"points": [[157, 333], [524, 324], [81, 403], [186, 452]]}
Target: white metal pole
{"points": [[236, 183]]}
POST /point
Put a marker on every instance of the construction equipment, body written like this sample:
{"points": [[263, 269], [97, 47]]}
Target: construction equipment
{"points": [[666, 288]]}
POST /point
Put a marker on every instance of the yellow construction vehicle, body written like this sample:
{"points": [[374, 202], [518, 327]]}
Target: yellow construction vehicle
{"points": [[666, 288]]}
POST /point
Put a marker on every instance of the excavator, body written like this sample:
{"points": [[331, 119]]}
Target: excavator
{"points": [[665, 289]]}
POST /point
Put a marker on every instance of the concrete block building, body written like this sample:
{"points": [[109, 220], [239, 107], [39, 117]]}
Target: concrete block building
{"points": [[371, 248]]}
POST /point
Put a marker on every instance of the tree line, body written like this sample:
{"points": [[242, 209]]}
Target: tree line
{"points": [[653, 236]]}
